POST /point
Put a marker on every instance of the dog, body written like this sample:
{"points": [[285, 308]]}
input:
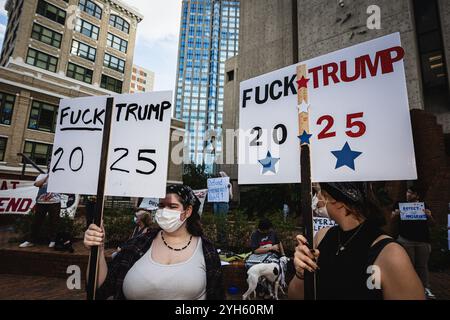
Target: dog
{"points": [[273, 273]]}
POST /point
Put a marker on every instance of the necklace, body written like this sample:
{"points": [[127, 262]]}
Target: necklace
{"points": [[342, 247], [175, 249]]}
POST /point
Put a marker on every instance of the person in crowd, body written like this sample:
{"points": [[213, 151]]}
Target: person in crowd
{"points": [[46, 203], [154, 265], [265, 239], [354, 260], [266, 248], [414, 236], [285, 211], [220, 210], [143, 221]]}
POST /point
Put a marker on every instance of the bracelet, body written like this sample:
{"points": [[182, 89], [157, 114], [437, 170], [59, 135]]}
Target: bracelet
{"points": [[299, 276]]}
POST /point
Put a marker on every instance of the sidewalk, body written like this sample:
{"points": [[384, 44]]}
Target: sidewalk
{"points": [[18, 287]]}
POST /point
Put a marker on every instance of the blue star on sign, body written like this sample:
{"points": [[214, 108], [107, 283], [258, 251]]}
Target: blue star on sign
{"points": [[269, 163], [304, 138], [346, 157]]}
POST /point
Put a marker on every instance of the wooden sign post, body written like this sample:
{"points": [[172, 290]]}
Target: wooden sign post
{"points": [[305, 168], [98, 217]]}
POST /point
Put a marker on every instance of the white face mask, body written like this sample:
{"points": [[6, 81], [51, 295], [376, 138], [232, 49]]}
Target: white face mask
{"points": [[168, 220], [320, 211]]}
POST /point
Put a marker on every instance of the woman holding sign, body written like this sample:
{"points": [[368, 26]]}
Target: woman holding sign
{"points": [[354, 260], [154, 265]]}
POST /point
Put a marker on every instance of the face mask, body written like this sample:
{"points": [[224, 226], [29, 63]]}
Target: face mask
{"points": [[314, 203], [168, 220], [322, 211]]}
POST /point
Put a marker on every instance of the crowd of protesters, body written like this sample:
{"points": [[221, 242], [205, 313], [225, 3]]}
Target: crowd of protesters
{"points": [[153, 262]]}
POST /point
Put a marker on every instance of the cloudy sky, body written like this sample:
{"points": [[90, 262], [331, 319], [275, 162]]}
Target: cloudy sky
{"points": [[157, 39]]}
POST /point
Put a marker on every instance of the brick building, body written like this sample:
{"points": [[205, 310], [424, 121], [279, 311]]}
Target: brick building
{"points": [[275, 34], [56, 49], [142, 80]]}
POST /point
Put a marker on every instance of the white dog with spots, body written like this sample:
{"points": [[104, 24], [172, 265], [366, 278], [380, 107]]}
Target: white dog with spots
{"points": [[273, 273]]}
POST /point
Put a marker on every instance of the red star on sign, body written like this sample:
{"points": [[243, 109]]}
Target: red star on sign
{"points": [[302, 83]]}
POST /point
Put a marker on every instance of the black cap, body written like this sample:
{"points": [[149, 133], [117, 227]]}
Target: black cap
{"points": [[348, 192]]}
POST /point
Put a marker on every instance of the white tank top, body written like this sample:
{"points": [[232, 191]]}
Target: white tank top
{"points": [[149, 280]]}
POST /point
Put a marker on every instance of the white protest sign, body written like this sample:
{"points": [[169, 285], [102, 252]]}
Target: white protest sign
{"points": [[18, 201], [69, 205], [218, 190], [201, 195], [149, 203], [320, 223], [412, 211], [6, 184], [358, 118], [138, 148]]}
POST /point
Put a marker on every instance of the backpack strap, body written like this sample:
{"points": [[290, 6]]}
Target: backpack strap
{"points": [[376, 249]]}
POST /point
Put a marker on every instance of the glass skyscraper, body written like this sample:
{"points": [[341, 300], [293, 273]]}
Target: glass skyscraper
{"points": [[209, 35]]}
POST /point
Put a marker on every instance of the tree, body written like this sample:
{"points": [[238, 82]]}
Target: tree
{"points": [[195, 176]]}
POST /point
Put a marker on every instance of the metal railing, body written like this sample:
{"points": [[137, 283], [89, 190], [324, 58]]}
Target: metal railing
{"points": [[26, 160]]}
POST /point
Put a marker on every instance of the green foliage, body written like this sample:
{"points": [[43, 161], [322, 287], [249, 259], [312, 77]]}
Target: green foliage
{"points": [[263, 199], [195, 176], [239, 228], [118, 229], [65, 224]]}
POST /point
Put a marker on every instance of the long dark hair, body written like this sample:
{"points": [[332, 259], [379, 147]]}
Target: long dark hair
{"points": [[359, 197], [187, 198]]}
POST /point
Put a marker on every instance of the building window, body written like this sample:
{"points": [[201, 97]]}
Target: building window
{"points": [[111, 84], [6, 107], [46, 35], [3, 142], [115, 42], [42, 60], [88, 29], [83, 50], [431, 50], [230, 75], [114, 63], [40, 153], [119, 23], [79, 73], [91, 8], [51, 12], [42, 116]]}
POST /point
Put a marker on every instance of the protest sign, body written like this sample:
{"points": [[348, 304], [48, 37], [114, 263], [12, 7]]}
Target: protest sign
{"points": [[7, 184], [18, 201], [149, 203], [359, 121], [218, 189], [201, 195], [138, 145], [320, 223], [412, 211]]}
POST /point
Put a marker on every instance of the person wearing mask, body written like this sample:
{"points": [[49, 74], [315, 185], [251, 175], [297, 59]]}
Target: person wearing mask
{"points": [[46, 203], [154, 265], [414, 236], [354, 260]]}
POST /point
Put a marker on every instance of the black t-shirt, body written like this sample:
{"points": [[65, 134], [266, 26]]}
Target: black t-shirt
{"points": [[260, 240], [413, 230]]}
